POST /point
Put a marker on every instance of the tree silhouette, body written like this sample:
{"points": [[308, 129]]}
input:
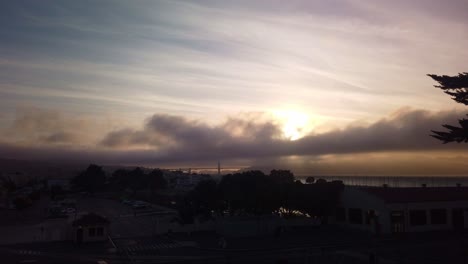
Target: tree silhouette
{"points": [[205, 197], [8, 184], [137, 180], [457, 87], [120, 179], [21, 203], [254, 193], [310, 180], [90, 180], [156, 180], [250, 192], [282, 176], [56, 190]]}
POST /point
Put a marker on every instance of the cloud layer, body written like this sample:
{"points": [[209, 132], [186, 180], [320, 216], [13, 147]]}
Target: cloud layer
{"points": [[180, 138], [167, 140]]}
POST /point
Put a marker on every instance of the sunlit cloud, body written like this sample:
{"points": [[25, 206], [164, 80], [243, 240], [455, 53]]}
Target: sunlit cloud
{"points": [[246, 139]]}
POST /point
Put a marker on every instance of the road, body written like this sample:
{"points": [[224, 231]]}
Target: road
{"points": [[428, 249]]}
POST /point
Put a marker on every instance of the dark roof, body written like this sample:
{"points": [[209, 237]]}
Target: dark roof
{"points": [[419, 194], [90, 219]]}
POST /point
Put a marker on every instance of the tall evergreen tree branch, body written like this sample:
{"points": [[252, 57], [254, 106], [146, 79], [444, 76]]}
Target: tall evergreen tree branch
{"points": [[457, 87]]}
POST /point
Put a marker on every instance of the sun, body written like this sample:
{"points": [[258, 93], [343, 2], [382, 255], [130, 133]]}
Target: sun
{"points": [[295, 125]]}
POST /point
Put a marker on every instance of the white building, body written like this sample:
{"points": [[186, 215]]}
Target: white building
{"points": [[392, 210]]}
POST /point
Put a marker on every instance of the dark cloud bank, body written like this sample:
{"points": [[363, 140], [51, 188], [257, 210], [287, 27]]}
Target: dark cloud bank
{"points": [[167, 139]]}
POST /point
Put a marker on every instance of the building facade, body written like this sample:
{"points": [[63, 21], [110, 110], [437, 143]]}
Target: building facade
{"points": [[385, 210], [89, 228]]}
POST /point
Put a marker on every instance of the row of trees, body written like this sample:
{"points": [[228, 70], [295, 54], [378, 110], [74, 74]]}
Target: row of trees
{"points": [[90, 180], [256, 193], [243, 193], [94, 179]]}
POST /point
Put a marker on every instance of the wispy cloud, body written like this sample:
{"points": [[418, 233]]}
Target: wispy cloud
{"points": [[212, 56]]}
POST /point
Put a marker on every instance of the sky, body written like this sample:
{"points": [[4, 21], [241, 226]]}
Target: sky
{"points": [[334, 87]]}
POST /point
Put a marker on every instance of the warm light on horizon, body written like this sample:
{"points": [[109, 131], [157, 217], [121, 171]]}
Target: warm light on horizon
{"points": [[295, 124]]}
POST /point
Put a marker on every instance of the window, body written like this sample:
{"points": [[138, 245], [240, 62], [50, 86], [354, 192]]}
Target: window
{"points": [[397, 221], [355, 216], [100, 231], [340, 214], [370, 214], [418, 217], [92, 232], [438, 216]]}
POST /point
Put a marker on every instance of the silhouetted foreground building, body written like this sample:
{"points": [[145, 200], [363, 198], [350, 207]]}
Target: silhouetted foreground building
{"points": [[90, 227], [394, 210]]}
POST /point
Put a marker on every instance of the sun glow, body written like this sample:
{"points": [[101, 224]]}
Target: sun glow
{"points": [[295, 124]]}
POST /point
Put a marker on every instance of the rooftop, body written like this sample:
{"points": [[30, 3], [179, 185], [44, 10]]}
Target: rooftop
{"points": [[90, 219], [419, 194]]}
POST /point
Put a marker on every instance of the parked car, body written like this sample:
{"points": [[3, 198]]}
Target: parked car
{"points": [[140, 205], [70, 210], [127, 202]]}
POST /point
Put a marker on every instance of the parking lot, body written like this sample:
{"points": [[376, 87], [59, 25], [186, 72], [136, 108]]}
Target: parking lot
{"points": [[127, 218], [35, 224]]}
